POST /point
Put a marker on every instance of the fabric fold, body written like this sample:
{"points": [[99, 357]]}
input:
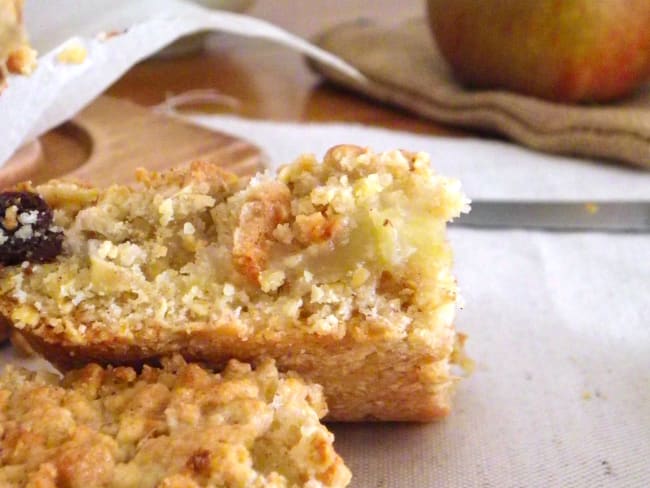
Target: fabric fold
{"points": [[404, 68]]}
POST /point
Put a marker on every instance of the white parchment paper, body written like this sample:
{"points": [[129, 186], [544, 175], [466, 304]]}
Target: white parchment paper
{"points": [[31, 105]]}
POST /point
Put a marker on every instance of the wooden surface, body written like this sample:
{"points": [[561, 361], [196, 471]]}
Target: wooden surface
{"points": [[108, 140], [271, 82]]}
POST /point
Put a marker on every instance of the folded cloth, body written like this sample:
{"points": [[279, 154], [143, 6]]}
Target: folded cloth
{"points": [[404, 68]]}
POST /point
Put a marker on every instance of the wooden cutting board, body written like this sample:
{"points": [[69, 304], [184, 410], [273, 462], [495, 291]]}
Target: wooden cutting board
{"points": [[112, 137]]}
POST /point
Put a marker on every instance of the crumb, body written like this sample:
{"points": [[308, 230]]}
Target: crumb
{"points": [[10, 219], [73, 53], [22, 61], [188, 228], [106, 35], [592, 208], [607, 467], [588, 395], [460, 357]]}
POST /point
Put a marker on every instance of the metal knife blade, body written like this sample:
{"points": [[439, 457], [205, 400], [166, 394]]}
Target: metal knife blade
{"points": [[610, 216]]}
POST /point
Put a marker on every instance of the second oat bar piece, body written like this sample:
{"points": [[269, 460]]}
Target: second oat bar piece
{"points": [[180, 426]]}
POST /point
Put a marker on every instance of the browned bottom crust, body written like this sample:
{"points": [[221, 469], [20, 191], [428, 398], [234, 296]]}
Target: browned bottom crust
{"points": [[362, 381]]}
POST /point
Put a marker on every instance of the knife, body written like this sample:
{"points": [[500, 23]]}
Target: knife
{"points": [[610, 216]]}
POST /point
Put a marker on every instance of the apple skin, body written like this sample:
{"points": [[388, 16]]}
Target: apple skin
{"points": [[561, 50]]}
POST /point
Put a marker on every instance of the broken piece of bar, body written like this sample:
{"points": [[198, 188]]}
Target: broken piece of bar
{"points": [[339, 270], [179, 426]]}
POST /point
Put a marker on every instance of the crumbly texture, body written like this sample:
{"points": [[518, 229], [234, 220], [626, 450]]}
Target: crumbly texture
{"points": [[339, 270], [15, 54], [176, 427]]}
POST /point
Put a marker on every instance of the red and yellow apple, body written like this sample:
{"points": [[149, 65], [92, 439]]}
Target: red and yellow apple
{"points": [[562, 50]]}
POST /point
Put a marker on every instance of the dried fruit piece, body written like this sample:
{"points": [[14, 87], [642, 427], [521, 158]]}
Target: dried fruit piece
{"points": [[26, 230]]}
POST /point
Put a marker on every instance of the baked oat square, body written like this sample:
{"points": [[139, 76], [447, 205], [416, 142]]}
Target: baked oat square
{"points": [[339, 270]]}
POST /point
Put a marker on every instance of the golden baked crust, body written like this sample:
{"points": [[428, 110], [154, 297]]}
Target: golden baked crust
{"points": [[15, 54], [338, 270], [179, 426]]}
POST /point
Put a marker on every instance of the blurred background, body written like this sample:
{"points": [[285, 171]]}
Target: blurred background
{"points": [[272, 82]]}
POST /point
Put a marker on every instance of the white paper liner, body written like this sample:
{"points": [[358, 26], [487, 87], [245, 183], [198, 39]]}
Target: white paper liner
{"points": [[31, 105]]}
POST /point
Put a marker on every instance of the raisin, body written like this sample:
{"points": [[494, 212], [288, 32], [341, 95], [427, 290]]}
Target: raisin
{"points": [[26, 230]]}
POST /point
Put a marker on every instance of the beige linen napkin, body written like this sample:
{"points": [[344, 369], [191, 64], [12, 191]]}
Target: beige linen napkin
{"points": [[404, 68]]}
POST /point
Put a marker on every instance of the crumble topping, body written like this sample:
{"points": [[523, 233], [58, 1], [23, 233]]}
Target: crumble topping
{"points": [[359, 233], [179, 426]]}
